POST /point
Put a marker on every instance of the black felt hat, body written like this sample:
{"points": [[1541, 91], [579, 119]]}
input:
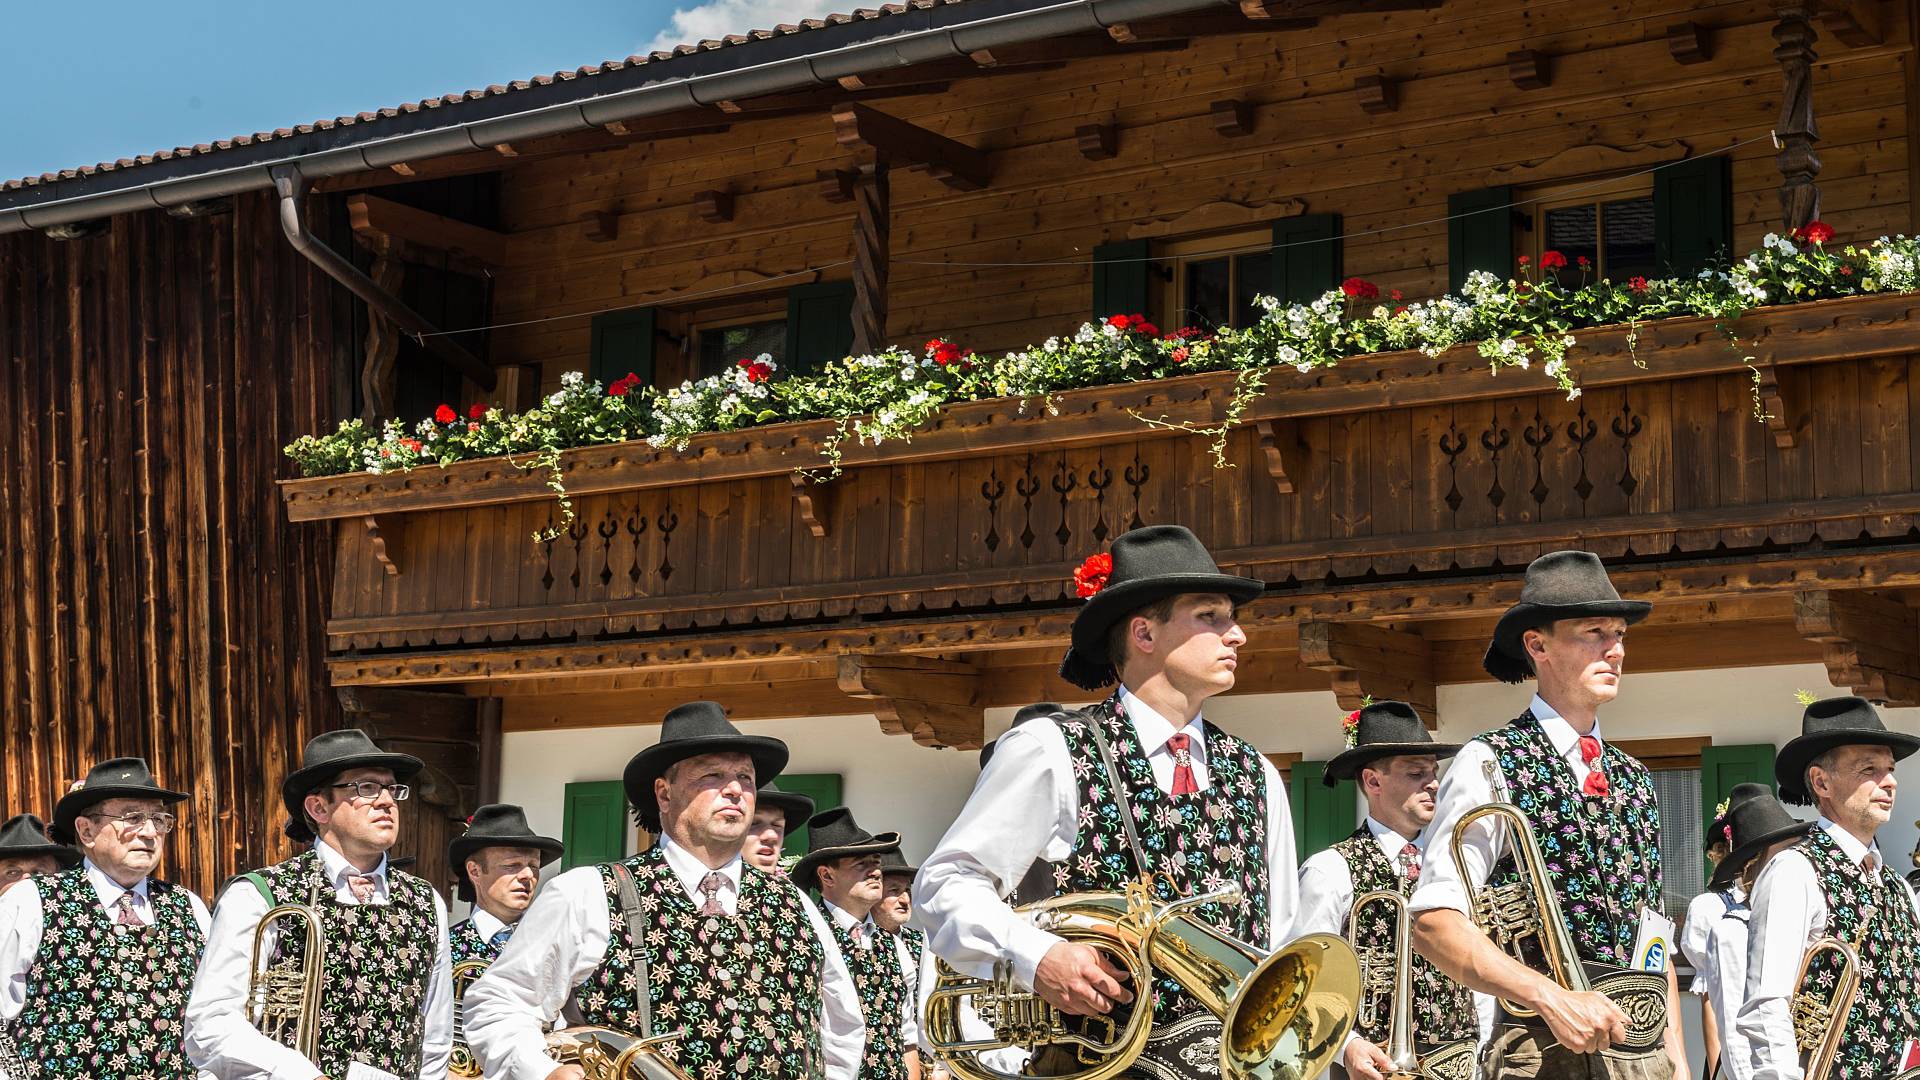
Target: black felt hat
{"points": [[1831, 722], [893, 862], [796, 806], [1757, 821], [1384, 729], [1559, 585], [833, 834], [698, 727], [24, 837], [1148, 565], [496, 825], [327, 756], [115, 778], [1034, 711]]}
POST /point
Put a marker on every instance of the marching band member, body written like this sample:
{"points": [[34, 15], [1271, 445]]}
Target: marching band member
{"points": [[1703, 912], [737, 961], [1397, 765], [96, 960], [891, 915], [1592, 813], [843, 864], [775, 812], [497, 864], [386, 1005], [1159, 621], [26, 851], [1835, 882], [1757, 828]]}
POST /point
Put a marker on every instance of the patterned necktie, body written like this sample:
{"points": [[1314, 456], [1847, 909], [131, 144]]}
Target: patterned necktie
{"points": [[710, 888], [1410, 862], [1596, 784], [858, 932], [499, 939], [124, 910], [361, 885], [1182, 764]]}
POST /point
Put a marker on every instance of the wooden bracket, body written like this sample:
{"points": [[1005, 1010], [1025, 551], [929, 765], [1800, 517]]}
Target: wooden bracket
{"points": [[714, 207], [837, 185], [1284, 451], [602, 225], [376, 220], [1097, 142], [1870, 641], [953, 163], [1528, 69], [931, 699], [1773, 407], [814, 503], [386, 536], [1377, 94], [1232, 117], [1689, 43], [506, 150], [1854, 23], [1367, 660]]}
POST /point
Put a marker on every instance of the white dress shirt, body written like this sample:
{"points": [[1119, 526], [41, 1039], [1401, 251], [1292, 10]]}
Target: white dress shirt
{"points": [[219, 1038], [1026, 806], [1789, 914], [1702, 913], [484, 924], [562, 940], [1725, 977], [869, 930], [22, 923]]}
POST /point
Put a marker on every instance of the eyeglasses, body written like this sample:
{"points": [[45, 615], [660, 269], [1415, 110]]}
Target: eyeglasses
{"points": [[137, 820], [369, 790]]}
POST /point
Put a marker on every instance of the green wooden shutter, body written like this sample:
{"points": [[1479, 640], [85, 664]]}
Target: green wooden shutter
{"points": [[1479, 234], [1322, 816], [819, 324], [1306, 257], [822, 788], [1692, 214], [594, 827], [1120, 278], [622, 344], [1721, 767]]}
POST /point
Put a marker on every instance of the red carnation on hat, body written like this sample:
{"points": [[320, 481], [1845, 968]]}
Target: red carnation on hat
{"points": [[1091, 576], [1351, 728]]}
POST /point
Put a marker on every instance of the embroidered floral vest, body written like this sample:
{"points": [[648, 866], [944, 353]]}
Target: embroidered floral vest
{"points": [[882, 986], [743, 990], [105, 1001], [379, 959], [917, 948], [1886, 1011], [1443, 1010], [469, 945], [1203, 840]]}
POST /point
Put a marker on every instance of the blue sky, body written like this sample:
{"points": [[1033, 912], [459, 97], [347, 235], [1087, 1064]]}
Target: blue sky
{"points": [[94, 80]]}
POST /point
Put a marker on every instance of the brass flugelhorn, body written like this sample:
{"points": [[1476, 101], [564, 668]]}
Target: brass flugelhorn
{"points": [[1284, 1014], [1386, 974], [1819, 1021], [606, 1054], [1524, 915], [283, 996], [461, 1061]]}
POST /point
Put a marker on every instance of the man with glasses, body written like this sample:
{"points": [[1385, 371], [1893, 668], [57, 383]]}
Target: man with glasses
{"points": [[386, 1004], [96, 961]]}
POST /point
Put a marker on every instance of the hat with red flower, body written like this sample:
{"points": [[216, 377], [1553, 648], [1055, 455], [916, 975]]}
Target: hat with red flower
{"points": [[1145, 566], [1383, 729], [1755, 822]]}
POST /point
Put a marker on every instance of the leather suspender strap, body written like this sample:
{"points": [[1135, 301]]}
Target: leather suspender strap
{"points": [[1119, 789], [643, 984]]}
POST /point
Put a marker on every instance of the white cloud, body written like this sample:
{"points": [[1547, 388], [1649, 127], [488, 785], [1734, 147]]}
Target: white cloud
{"points": [[718, 18]]}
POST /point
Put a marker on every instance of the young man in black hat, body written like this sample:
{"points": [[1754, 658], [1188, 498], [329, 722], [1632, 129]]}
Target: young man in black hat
{"points": [[1396, 763], [1593, 808], [1836, 883], [26, 851], [1207, 807], [1703, 913], [774, 811], [497, 863], [843, 863], [386, 1003], [96, 961], [737, 962]]}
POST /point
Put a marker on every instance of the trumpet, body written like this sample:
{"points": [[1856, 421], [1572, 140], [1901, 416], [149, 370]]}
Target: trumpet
{"points": [[461, 1061], [1386, 973], [1819, 1023], [1283, 1014], [283, 997], [1524, 916]]}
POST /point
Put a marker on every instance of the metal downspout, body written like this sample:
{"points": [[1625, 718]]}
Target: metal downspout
{"points": [[292, 187]]}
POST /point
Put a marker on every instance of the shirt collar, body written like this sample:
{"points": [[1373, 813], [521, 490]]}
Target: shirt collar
{"points": [[845, 919], [1391, 843], [1559, 732], [485, 924], [1850, 844], [109, 890], [1154, 730], [339, 869], [692, 871]]}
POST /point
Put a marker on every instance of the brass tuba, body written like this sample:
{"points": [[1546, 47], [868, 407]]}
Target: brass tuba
{"points": [[461, 1061], [1386, 974], [283, 998], [1526, 914], [1284, 1014], [1820, 1022]]}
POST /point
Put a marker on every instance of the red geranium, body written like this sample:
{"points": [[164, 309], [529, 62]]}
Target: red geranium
{"points": [[1180, 355], [946, 353], [1119, 322], [1552, 260], [1360, 289], [477, 411], [1396, 295], [444, 415], [624, 385], [471, 426], [1091, 576], [1637, 283], [1583, 262], [1846, 271], [1525, 260], [411, 444], [757, 370], [1816, 232], [1141, 325]]}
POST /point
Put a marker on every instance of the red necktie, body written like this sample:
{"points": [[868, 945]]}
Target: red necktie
{"points": [[1182, 764], [362, 886], [1596, 784], [1410, 862]]}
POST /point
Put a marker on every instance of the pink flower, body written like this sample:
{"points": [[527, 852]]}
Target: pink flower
{"points": [[1180, 355]]}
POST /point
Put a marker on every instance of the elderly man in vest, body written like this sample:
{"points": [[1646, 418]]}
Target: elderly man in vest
{"points": [[684, 938], [96, 960]]}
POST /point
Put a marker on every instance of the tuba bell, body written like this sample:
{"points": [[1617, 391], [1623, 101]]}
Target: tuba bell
{"points": [[1819, 1020], [283, 996], [1386, 975], [606, 1054], [1283, 1014]]}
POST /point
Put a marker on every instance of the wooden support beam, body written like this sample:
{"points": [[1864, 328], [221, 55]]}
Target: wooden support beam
{"points": [[1529, 69], [809, 102], [403, 168], [954, 163], [378, 220], [1377, 94], [1781, 423], [390, 712], [1201, 24], [1870, 642], [602, 225], [814, 503], [1283, 451], [1371, 661], [379, 379], [386, 535], [1854, 23], [1053, 51], [1097, 142], [872, 229], [713, 207], [1232, 117], [836, 185], [506, 150], [1796, 132], [1689, 43], [931, 699]]}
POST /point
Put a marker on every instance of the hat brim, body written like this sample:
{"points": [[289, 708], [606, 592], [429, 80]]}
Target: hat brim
{"points": [[1738, 858], [293, 791], [75, 803], [769, 758], [797, 807], [803, 871], [1087, 664], [1790, 764], [68, 857], [1347, 764], [1507, 661], [463, 848]]}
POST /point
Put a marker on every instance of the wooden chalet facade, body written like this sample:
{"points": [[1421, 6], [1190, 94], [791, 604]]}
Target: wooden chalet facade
{"points": [[181, 596]]}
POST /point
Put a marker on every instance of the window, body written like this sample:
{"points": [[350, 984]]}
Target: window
{"points": [[718, 347], [1611, 225], [1213, 281]]}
